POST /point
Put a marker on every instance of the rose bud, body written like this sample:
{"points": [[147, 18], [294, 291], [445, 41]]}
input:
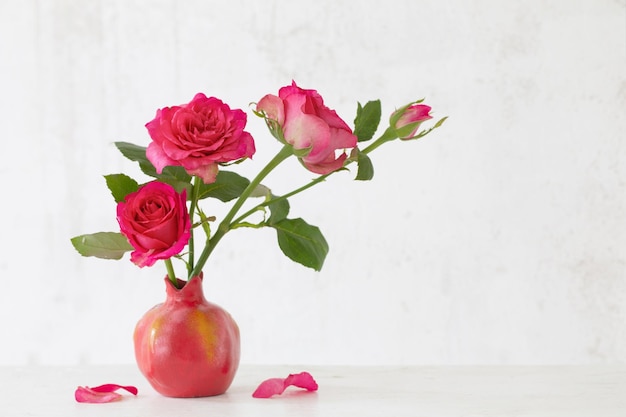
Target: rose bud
{"points": [[309, 126], [407, 120]]}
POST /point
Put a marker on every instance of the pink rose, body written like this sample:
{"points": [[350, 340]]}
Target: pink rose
{"points": [[407, 120], [307, 123], [155, 221], [198, 136]]}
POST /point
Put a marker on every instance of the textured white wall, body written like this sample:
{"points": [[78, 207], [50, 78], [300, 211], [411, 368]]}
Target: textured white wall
{"points": [[499, 239]]}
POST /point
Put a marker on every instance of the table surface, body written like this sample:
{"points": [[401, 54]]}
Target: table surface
{"points": [[433, 391]]}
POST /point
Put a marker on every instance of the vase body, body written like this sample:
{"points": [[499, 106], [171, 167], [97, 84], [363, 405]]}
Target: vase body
{"points": [[187, 346]]}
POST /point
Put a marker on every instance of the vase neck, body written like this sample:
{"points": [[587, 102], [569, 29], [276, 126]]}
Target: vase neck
{"points": [[191, 293]]}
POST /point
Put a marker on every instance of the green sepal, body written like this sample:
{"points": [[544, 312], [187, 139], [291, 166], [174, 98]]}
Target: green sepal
{"points": [[439, 122], [121, 185], [301, 153], [104, 245], [272, 125], [367, 120], [301, 242], [396, 115], [427, 131]]}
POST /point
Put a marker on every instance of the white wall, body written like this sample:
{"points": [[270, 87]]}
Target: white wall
{"points": [[499, 239]]}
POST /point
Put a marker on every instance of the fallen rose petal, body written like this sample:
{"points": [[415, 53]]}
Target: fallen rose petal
{"points": [[301, 380], [102, 393], [115, 387], [269, 387], [87, 395], [276, 386]]}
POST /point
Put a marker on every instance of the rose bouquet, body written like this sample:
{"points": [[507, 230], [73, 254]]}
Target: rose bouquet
{"points": [[187, 346], [190, 145]]}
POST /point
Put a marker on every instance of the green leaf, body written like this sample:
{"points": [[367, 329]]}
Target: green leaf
{"points": [[366, 169], [261, 191], [227, 186], [175, 176], [104, 245], [121, 185], [301, 242], [137, 153], [131, 151], [279, 210], [367, 120]]}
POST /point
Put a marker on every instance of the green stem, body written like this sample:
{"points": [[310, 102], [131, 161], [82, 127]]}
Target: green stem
{"points": [[224, 226], [286, 151], [282, 197], [170, 272], [194, 202], [387, 136]]}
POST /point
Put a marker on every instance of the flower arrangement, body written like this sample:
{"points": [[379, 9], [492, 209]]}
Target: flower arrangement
{"points": [[191, 143]]}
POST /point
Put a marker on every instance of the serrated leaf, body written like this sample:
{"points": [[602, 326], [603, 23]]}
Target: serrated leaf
{"points": [[367, 120], [365, 170], [120, 186], [279, 211], [104, 245], [227, 186], [301, 242]]}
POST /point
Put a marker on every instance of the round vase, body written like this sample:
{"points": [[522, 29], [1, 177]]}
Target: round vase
{"points": [[187, 346]]}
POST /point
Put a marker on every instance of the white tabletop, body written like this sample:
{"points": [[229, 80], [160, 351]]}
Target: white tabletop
{"points": [[590, 391]]}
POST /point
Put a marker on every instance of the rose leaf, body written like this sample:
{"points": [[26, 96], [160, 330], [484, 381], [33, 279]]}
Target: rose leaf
{"points": [[301, 242], [227, 186], [104, 245], [279, 210], [367, 120], [121, 185], [365, 171]]}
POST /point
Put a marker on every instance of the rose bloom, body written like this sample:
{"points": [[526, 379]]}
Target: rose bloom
{"points": [[155, 221], [307, 123], [412, 117], [198, 136]]}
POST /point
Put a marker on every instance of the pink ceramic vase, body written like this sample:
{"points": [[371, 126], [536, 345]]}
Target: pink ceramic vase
{"points": [[187, 346]]}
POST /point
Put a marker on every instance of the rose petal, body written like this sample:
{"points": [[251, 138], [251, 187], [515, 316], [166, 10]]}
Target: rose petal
{"points": [[115, 387], [276, 386], [269, 387], [302, 380], [102, 393]]}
